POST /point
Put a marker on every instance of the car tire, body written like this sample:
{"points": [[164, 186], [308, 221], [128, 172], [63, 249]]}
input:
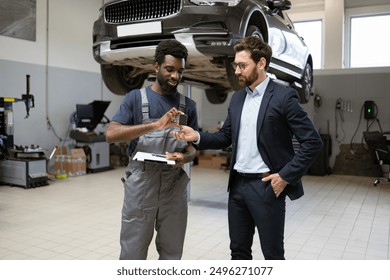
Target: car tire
{"points": [[230, 72], [253, 30], [216, 95], [306, 83], [121, 79]]}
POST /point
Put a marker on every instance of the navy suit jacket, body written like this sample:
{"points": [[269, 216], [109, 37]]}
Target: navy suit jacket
{"points": [[280, 117]]}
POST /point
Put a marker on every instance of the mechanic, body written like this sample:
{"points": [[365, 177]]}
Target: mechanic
{"points": [[155, 194]]}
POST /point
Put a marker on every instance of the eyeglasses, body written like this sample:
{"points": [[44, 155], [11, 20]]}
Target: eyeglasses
{"points": [[240, 65]]}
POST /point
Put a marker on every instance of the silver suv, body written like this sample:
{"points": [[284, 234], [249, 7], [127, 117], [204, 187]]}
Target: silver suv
{"points": [[127, 32]]}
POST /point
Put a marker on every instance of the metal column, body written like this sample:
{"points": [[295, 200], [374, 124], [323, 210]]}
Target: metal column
{"points": [[187, 166]]}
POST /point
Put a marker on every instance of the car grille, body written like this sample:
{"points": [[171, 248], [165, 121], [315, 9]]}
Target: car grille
{"points": [[136, 10]]}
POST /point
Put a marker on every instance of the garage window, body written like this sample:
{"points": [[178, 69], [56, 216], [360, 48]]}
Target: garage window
{"points": [[366, 36], [311, 32], [370, 42]]}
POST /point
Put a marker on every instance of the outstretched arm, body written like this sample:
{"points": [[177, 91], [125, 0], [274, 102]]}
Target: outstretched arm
{"points": [[117, 132]]}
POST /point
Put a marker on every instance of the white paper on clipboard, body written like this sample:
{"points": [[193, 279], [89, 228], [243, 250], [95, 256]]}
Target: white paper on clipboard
{"points": [[142, 156]]}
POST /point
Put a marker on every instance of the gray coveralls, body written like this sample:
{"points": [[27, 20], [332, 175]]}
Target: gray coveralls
{"points": [[155, 198]]}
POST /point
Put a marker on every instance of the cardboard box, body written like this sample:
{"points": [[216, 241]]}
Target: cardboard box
{"points": [[218, 161], [73, 164], [213, 161], [204, 160]]}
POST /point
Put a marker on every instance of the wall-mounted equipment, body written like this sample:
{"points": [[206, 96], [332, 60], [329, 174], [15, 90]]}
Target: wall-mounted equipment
{"points": [[370, 110]]}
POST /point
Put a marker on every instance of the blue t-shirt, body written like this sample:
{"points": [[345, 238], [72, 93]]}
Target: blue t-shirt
{"points": [[130, 112]]}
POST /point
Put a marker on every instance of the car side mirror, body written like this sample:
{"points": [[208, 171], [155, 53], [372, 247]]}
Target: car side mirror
{"points": [[279, 5]]}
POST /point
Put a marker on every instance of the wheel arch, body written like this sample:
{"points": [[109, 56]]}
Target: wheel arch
{"points": [[255, 17]]}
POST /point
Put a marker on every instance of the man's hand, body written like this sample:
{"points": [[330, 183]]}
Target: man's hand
{"points": [[117, 132], [177, 157], [277, 183], [168, 119], [186, 133], [182, 158]]}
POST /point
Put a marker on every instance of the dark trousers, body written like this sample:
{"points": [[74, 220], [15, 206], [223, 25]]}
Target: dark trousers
{"points": [[252, 203]]}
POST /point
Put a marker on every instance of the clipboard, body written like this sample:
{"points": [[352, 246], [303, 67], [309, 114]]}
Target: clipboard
{"points": [[142, 156]]}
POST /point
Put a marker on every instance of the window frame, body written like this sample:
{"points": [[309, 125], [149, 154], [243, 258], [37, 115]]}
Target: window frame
{"points": [[351, 13]]}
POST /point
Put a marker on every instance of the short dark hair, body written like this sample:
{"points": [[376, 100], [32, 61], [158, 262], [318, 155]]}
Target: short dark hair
{"points": [[170, 47], [257, 47]]}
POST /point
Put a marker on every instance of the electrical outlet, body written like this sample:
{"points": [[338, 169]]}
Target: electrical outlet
{"points": [[339, 103]]}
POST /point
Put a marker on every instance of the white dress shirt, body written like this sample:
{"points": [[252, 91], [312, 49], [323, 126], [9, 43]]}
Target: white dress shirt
{"points": [[248, 158]]}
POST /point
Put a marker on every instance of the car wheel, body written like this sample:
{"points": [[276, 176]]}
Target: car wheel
{"points": [[306, 82], [121, 79], [253, 30], [230, 72], [216, 95]]}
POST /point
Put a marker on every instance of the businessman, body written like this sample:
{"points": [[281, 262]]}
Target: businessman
{"points": [[262, 119]]}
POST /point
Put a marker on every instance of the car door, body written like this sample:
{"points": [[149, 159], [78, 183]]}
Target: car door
{"points": [[288, 49]]}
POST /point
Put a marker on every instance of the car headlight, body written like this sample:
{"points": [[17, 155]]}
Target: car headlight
{"points": [[216, 2]]}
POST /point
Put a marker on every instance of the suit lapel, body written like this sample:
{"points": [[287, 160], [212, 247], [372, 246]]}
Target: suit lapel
{"points": [[263, 106], [235, 118], [240, 104]]}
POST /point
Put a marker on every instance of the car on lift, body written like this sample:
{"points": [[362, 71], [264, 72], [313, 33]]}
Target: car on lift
{"points": [[127, 32]]}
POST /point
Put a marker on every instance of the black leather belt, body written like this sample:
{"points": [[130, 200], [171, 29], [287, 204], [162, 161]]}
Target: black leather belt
{"points": [[253, 175]]}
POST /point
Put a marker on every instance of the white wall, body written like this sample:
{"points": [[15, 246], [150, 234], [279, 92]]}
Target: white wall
{"points": [[62, 69], [63, 36], [70, 34], [28, 51]]}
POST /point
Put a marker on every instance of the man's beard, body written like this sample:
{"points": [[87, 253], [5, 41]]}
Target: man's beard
{"points": [[246, 82], [252, 78], [166, 87]]}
